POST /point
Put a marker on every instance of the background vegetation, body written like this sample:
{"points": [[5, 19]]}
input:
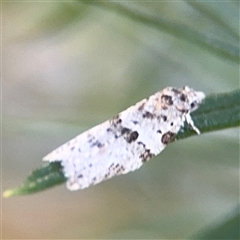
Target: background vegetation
{"points": [[68, 66]]}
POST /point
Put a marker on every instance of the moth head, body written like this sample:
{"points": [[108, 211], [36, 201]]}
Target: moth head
{"points": [[187, 99]]}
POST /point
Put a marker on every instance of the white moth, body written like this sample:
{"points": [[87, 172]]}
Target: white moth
{"points": [[123, 143]]}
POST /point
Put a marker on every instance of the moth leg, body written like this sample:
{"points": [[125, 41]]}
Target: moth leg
{"points": [[191, 123]]}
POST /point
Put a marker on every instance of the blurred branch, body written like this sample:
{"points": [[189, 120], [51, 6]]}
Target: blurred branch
{"points": [[219, 111], [214, 17], [178, 30]]}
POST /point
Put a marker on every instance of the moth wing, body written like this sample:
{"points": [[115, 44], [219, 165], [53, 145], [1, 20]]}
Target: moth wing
{"points": [[94, 156]]}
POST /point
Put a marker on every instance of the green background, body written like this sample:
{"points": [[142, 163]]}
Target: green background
{"points": [[68, 66]]}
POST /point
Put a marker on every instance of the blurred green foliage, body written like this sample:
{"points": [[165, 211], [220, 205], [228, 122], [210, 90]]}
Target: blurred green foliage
{"points": [[226, 228]]}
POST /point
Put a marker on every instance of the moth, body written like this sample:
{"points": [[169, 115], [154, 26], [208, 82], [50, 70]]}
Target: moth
{"points": [[123, 143]]}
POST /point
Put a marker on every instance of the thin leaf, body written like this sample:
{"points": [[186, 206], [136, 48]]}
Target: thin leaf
{"points": [[219, 111], [178, 30], [48, 175]]}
